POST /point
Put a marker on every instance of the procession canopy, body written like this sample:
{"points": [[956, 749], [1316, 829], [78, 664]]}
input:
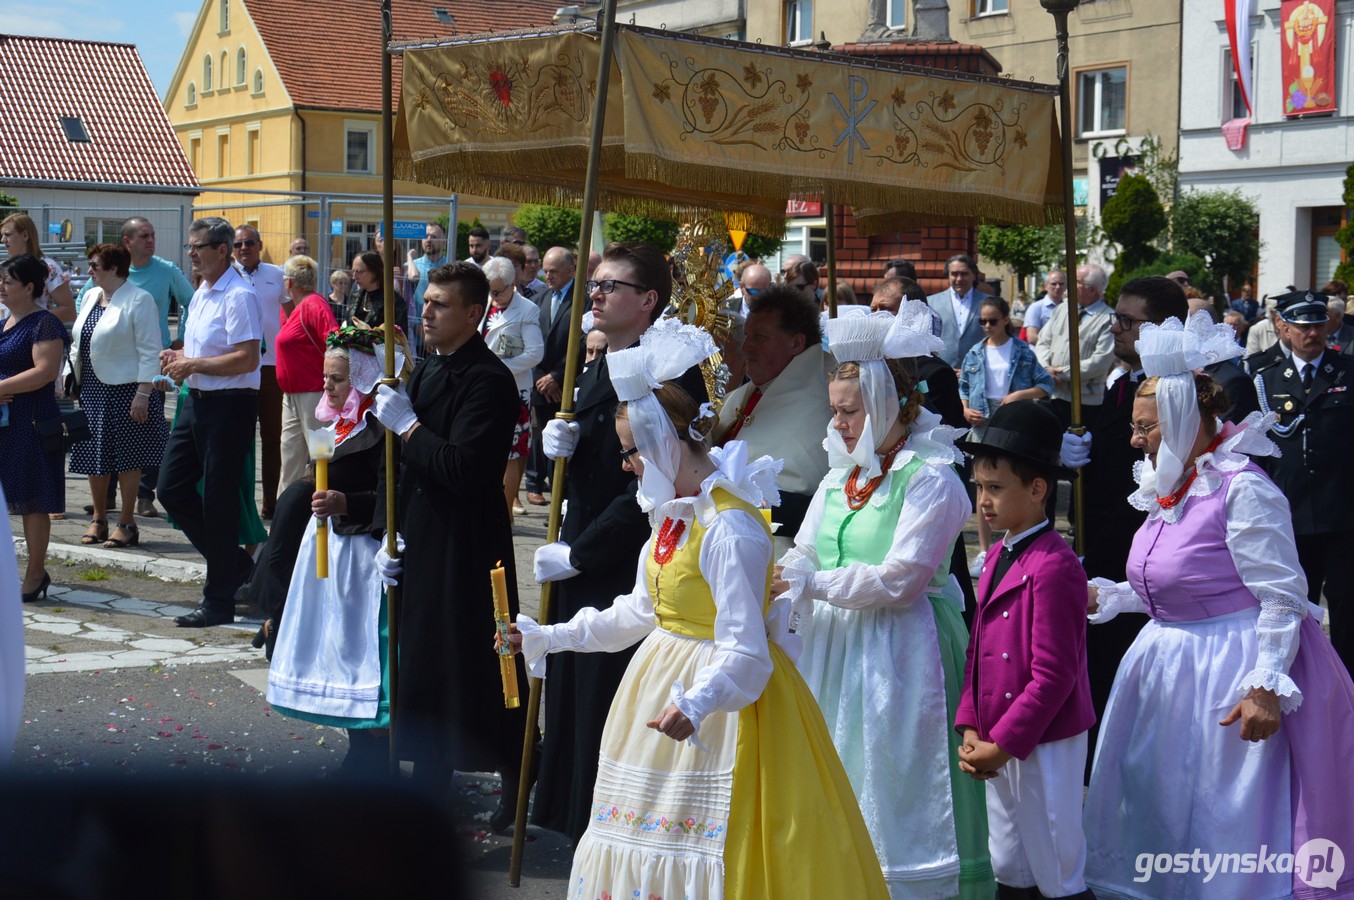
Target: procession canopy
{"points": [[705, 125]]}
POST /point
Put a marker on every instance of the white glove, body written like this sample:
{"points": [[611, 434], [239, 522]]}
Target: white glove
{"points": [[1076, 450], [552, 563], [394, 410], [559, 438], [388, 567]]}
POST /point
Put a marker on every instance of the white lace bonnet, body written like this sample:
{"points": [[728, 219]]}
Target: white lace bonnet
{"points": [[1173, 351], [665, 351]]}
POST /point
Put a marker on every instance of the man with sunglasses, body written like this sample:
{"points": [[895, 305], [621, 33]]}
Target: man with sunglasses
{"points": [[755, 279], [272, 293], [220, 364]]}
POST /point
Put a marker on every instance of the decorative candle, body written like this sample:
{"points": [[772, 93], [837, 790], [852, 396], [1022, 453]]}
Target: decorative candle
{"points": [[321, 442], [507, 667]]}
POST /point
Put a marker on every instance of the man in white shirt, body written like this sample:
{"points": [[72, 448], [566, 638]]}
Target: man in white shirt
{"points": [[479, 244], [267, 281], [958, 309], [1037, 316], [220, 364]]}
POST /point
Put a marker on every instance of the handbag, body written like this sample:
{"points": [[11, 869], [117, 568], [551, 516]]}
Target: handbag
{"points": [[70, 385], [58, 433]]}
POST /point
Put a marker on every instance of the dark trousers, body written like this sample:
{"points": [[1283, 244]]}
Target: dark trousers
{"points": [[209, 444], [1325, 561], [541, 466], [270, 435]]}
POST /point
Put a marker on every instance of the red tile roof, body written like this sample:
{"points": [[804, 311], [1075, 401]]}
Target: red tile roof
{"points": [[106, 86], [949, 55], [346, 74]]}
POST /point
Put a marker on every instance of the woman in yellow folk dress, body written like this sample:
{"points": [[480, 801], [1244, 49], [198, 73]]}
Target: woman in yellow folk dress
{"points": [[717, 775]]}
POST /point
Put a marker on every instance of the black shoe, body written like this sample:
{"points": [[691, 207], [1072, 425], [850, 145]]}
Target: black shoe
{"points": [[203, 618], [32, 596]]}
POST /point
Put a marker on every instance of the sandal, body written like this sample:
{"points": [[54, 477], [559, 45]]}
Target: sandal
{"points": [[118, 541], [96, 533]]}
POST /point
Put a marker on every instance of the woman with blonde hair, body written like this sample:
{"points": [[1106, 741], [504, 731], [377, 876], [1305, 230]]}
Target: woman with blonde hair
{"points": [[20, 235]]}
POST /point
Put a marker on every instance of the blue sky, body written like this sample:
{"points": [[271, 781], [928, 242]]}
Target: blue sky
{"points": [[159, 28]]}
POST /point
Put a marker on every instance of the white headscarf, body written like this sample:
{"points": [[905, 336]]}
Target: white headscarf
{"points": [[1172, 351], [665, 351], [868, 341]]}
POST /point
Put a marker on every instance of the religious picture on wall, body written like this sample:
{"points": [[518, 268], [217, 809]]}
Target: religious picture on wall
{"points": [[1308, 57]]}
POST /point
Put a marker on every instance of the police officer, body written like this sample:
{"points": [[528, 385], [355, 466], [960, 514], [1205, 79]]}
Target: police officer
{"points": [[1312, 391]]}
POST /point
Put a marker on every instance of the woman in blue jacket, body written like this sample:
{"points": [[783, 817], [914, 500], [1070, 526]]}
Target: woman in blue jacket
{"points": [[999, 369]]}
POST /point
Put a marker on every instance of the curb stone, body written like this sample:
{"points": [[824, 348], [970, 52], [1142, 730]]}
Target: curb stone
{"points": [[164, 569]]}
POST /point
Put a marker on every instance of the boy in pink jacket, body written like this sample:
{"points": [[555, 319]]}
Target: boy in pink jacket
{"points": [[1026, 703]]}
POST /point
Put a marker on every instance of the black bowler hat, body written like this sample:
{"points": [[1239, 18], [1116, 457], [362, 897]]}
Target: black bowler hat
{"points": [[1024, 429], [1302, 307]]}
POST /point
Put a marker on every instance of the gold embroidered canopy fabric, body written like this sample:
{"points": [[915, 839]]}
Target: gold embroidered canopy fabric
{"points": [[695, 125]]}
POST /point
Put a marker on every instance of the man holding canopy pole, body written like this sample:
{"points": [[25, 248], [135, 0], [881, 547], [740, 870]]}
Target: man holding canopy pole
{"points": [[453, 425]]}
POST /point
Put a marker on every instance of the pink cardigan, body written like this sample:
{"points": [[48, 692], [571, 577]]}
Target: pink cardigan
{"points": [[1029, 648]]}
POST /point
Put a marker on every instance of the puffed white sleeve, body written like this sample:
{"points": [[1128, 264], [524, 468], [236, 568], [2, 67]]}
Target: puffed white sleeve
{"points": [[1261, 543], [935, 508], [801, 561], [1114, 598], [734, 559], [628, 619]]}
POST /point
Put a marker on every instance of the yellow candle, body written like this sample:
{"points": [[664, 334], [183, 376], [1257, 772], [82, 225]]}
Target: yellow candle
{"points": [[507, 667], [322, 527], [766, 514]]}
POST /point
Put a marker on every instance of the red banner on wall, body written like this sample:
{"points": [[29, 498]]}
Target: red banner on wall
{"points": [[1308, 56]]}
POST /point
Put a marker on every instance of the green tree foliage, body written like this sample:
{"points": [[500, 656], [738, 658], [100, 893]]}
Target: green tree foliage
{"points": [[1132, 219], [549, 226], [1345, 236], [1200, 276], [1027, 249], [660, 235], [758, 246], [8, 204], [1218, 226]]}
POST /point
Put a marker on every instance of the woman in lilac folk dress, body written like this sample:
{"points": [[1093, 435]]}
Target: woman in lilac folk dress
{"points": [[1223, 732]]}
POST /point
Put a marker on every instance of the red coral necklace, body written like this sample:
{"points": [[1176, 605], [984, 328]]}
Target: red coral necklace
{"points": [[1172, 500], [665, 545], [857, 496]]}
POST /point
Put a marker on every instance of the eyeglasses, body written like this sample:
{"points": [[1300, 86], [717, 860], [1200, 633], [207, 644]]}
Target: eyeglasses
{"points": [[1126, 322], [751, 292], [626, 454], [1143, 431], [989, 321], [198, 248], [240, 245], [606, 286]]}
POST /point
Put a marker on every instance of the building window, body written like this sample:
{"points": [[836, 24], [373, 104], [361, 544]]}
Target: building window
{"points": [[100, 231], [195, 154], [1103, 102], [258, 81], [190, 96], [223, 155], [224, 25], [253, 155], [991, 7], [240, 67], [359, 141], [798, 22], [1233, 103], [895, 14], [207, 72], [75, 130], [224, 73]]}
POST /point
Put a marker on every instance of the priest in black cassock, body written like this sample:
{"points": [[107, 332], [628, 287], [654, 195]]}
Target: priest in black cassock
{"points": [[455, 427]]}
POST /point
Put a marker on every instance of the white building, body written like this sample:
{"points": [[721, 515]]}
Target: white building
{"points": [[1293, 169]]}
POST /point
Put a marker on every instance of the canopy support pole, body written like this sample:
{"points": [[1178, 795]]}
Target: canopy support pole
{"points": [[830, 209], [580, 297]]}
